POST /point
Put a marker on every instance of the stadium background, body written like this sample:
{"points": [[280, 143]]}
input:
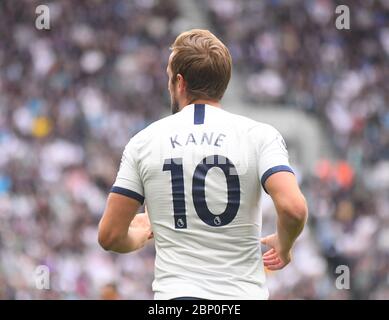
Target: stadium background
{"points": [[71, 97]]}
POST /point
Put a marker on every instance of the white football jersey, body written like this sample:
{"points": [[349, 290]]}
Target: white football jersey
{"points": [[200, 172]]}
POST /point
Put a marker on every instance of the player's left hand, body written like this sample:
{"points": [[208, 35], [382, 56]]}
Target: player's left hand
{"points": [[276, 258]]}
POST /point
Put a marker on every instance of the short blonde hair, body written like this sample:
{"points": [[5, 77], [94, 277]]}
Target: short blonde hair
{"points": [[204, 62]]}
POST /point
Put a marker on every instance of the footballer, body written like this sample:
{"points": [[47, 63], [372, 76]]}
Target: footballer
{"points": [[202, 172]]}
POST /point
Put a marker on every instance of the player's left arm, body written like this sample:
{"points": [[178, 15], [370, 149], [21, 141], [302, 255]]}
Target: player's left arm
{"points": [[121, 229]]}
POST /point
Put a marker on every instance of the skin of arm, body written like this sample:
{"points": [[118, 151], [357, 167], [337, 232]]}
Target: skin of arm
{"points": [[121, 229], [292, 213]]}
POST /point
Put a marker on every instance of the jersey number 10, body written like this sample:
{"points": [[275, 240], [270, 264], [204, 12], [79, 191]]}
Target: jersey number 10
{"points": [[175, 166]]}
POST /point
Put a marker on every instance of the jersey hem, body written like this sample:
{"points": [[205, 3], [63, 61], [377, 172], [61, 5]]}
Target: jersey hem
{"points": [[207, 296]]}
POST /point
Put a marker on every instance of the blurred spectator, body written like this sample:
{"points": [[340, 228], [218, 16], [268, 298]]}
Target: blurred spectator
{"points": [[109, 292]]}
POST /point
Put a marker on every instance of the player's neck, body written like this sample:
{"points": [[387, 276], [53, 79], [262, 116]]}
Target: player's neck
{"points": [[213, 103]]}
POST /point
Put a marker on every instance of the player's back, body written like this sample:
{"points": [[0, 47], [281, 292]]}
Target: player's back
{"points": [[200, 171]]}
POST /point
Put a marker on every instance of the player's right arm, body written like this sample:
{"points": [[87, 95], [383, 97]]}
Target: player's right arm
{"points": [[292, 213]]}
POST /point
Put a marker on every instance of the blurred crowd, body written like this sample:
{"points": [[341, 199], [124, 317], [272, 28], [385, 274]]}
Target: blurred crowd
{"points": [[291, 53], [70, 99], [72, 96]]}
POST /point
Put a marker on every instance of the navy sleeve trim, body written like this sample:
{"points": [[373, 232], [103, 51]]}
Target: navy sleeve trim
{"points": [[128, 193], [272, 171]]}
